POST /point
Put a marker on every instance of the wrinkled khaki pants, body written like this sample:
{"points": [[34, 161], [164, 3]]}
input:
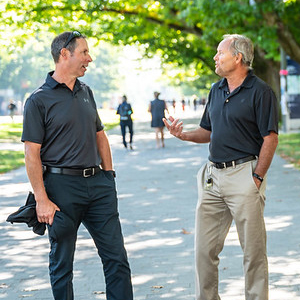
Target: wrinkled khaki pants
{"points": [[233, 196]]}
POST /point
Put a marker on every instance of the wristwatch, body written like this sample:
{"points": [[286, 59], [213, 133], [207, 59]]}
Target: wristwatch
{"points": [[258, 177]]}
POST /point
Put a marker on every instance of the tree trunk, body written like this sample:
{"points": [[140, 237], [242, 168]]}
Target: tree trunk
{"points": [[267, 70]]}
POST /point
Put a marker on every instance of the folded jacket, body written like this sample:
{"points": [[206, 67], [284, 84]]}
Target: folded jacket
{"points": [[27, 214]]}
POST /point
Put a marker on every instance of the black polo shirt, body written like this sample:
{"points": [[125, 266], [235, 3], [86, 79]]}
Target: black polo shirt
{"points": [[65, 123], [238, 121]]}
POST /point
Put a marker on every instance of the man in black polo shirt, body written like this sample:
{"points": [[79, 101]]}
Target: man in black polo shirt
{"points": [[240, 122], [64, 145]]}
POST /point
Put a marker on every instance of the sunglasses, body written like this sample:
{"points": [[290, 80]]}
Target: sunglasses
{"points": [[73, 35]]}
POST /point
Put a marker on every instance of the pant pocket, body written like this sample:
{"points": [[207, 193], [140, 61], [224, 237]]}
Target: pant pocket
{"points": [[62, 227], [262, 188]]}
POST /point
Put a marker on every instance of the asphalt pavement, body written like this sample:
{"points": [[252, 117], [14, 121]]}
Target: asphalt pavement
{"points": [[157, 193]]}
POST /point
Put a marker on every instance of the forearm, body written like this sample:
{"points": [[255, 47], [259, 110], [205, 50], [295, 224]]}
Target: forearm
{"points": [[104, 151], [199, 135], [266, 154]]}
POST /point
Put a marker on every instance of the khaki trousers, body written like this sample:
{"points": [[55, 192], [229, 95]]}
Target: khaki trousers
{"points": [[232, 196]]}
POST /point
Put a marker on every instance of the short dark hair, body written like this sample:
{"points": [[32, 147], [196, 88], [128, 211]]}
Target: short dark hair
{"points": [[59, 42]]}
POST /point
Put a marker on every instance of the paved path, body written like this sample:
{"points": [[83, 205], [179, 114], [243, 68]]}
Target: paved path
{"points": [[157, 198]]}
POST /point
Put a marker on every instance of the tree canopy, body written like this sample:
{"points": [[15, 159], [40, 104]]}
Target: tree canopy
{"points": [[184, 33]]}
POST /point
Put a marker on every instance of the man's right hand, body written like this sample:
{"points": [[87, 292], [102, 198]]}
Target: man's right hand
{"points": [[45, 210], [175, 127]]}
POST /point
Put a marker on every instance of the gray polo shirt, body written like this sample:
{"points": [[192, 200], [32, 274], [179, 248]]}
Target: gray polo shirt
{"points": [[65, 123], [239, 120]]}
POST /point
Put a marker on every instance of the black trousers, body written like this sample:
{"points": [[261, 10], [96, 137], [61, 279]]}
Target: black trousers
{"points": [[93, 202], [123, 125]]}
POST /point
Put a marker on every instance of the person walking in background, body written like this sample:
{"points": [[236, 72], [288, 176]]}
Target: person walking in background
{"points": [[183, 104], [125, 111], [203, 102], [157, 109], [241, 123], [64, 137], [195, 100], [11, 107], [174, 105]]}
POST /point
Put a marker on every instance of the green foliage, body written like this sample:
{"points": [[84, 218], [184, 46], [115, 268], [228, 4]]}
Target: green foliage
{"points": [[182, 32], [26, 70]]}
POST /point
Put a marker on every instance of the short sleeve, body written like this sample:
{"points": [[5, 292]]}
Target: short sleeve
{"points": [[99, 124], [267, 112], [33, 122], [205, 120]]}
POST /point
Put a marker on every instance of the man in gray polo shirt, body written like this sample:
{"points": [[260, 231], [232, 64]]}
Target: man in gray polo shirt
{"points": [[69, 165], [240, 122]]}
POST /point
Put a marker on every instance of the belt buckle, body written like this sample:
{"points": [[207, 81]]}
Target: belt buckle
{"points": [[85, 174]]}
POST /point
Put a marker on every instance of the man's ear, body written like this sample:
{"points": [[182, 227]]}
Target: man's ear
{"points": [[64, 53], [238, 58]]}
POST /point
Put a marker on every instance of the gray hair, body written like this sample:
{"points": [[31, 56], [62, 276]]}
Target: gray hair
{"points": [[241, 44], [58, 43]]}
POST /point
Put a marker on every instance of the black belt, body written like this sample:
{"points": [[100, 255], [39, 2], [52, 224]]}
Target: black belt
{"points": [[77, 172], [227, 164]]}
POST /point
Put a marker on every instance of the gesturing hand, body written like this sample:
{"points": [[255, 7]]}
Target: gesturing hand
{"points": [[175, 127]]}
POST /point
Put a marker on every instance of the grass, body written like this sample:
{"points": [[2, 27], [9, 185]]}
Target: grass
{"points": [[289, 148], [11, 160], [11, 133]]}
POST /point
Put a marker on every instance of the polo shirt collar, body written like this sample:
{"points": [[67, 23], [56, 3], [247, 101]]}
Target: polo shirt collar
{"points": [[53, 83], [247, 83]]}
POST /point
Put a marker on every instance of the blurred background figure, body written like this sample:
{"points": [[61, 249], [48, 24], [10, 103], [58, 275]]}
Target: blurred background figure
{"points": [[195, 102], [125, 112], [11, 107], [183, 104], [157, 109], [174, 105]]}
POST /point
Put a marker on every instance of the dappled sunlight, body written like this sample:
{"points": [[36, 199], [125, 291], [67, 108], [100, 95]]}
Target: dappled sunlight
{"points": [[157, 192], [171, 160], [144, 221], [153, 243], [141, 279], [5, 275], [35, 284], [288, 166], [124, 196], [139, 235], [279, 293], [14, 190], [278, 223], [4, 212], [232, 288], [285, 266], [232, 237], [21, 234], [142, 168], [170, 220]]}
